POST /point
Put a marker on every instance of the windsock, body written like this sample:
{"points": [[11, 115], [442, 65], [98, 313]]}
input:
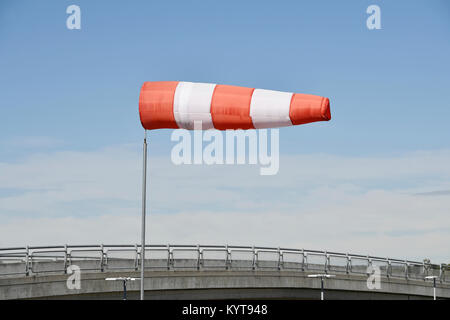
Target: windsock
{"points": [[173, 104]]}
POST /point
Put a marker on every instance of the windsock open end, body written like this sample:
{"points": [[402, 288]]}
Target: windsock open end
{"points": [[156, 105]]}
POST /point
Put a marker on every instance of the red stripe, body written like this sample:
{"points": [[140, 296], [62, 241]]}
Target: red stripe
{"points": [[306, 108], [230, 107], [156, 105]]}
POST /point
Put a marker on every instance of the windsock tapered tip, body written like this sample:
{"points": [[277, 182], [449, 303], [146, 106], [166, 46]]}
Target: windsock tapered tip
{"points": [[325, 110], [306, 108]]}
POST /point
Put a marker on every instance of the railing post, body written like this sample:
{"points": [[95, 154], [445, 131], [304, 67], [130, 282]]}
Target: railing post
{"points": [[254, 258], [406, 269], [303, 259], [347, 267], [136, 257], [102, 258], [350, 266], [198, 257], [280, 259], [65, 259], [445, 272], [326, 262], [389, 268], [27, 262], [369, 264], [31, 262], [227, 258], [169, 257], [423, 270]]}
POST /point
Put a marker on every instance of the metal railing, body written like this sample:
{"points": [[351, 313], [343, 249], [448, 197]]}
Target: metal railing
{"points": [[28, 261]]}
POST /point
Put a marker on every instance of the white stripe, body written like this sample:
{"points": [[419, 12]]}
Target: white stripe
{"points": [[192, 102], [270, 108]]}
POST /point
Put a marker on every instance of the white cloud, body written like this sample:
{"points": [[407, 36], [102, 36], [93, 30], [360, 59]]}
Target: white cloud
{"points": [[364, 205], [323, 232]]}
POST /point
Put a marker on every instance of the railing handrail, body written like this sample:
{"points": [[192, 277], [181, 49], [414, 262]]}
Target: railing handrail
{"points": [[190, 246]]}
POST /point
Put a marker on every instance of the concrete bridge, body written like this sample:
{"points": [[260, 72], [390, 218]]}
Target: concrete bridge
{"points": [[210, 272]]}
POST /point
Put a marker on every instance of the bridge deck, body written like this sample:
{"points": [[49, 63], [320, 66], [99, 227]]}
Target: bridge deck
{"points": [[211, 272]]}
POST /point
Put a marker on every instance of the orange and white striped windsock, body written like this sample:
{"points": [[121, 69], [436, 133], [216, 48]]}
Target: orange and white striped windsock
{"points": [[173, 104]]}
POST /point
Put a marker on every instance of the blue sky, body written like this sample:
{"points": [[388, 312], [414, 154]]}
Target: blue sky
{"points": [[387, 87], [73, 94]]}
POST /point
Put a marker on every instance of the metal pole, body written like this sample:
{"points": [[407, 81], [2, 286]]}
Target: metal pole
{"points": [[321, 288], [144, 185], [434, 288], [125, 289]]}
